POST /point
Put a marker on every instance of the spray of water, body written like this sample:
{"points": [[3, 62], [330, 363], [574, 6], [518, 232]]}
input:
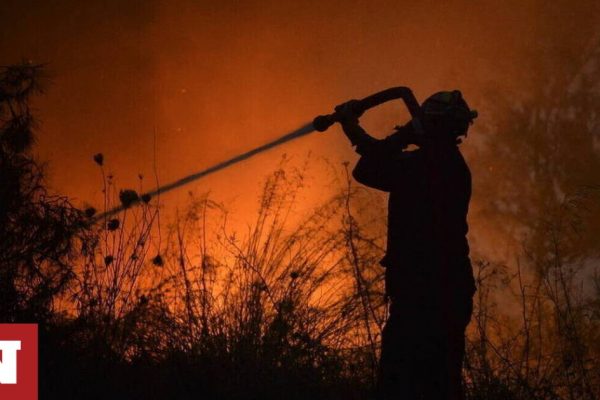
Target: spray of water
{"points": [[303, 131]]}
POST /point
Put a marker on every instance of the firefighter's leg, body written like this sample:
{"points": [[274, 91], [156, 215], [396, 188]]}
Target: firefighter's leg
{"points": [[397, 378], [456, 346]]}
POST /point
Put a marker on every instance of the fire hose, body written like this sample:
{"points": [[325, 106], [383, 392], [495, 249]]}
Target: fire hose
{"points": [[319, 124]]}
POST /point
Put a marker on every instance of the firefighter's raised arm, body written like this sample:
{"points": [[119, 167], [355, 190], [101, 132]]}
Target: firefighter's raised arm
{"points": [[348, 118], [380, 158]]}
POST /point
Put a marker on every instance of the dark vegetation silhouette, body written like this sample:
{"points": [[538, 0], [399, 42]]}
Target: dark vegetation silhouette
{"points": [[37, 229], [135, 307]]}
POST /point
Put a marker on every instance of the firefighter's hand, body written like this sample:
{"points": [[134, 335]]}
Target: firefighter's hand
{"points": [[412, 137], [406, 135], [348, 112]]}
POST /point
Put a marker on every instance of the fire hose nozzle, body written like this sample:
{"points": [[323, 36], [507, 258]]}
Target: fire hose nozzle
{"points": [[323, 122]]}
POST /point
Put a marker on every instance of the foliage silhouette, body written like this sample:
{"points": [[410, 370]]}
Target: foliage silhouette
{"points": [[294, 307], [37, 230]]}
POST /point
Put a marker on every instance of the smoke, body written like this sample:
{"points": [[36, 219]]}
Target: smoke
{"points": [[181, 85]]}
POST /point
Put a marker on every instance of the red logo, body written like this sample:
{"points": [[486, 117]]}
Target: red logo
{"points": [[19, 361]]}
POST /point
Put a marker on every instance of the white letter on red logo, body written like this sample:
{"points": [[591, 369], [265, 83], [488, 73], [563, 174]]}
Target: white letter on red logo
{"points": [[8, 366]]}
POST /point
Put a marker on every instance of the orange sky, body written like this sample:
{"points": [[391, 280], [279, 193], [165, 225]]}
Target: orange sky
{"points": [[215, 78]]}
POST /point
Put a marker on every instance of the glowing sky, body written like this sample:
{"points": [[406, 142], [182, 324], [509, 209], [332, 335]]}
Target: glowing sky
{"points": [[211, 79]]}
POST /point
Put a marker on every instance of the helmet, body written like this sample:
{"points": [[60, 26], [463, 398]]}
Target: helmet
{"points": [[447, 113]]}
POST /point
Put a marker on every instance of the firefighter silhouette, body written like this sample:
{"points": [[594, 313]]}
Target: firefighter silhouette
{"points": [[428, 277]]}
